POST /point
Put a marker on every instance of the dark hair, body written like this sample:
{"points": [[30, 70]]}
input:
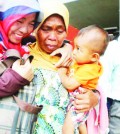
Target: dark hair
{"points": [[36, 20]]}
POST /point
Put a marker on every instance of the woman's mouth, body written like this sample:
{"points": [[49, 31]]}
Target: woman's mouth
{"points": [[19, 37], [51, 47]]}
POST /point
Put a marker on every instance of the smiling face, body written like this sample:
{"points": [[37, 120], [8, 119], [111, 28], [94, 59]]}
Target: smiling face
{"points": [[21, 28], [52, 33]]}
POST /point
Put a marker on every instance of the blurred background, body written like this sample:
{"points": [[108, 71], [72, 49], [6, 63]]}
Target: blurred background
{"points": [[105, 13]]}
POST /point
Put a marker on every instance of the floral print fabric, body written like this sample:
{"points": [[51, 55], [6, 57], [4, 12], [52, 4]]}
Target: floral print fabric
{"points": [[54, 98]]}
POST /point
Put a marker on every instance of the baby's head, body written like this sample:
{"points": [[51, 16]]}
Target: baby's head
{"points": [[90, 44]]}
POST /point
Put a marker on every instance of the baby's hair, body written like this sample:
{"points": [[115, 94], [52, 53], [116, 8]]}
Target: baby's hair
{"points": [[101, 38]]}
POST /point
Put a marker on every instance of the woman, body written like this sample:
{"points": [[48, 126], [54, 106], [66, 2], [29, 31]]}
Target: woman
{"points": [[50, 93], [17, 20]]}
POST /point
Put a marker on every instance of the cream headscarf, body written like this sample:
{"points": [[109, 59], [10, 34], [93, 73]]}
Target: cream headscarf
{"points": [[48, 7]]}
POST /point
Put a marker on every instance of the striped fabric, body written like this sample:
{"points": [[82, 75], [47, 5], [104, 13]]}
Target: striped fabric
{"points": [[12, 119]]}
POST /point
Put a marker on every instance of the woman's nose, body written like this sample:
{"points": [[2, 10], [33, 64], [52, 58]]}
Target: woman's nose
{"points": [[24, 29], [53, 35]]}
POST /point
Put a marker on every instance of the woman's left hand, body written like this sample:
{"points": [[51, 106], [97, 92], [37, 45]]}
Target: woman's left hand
{"points": [[66, 53]]}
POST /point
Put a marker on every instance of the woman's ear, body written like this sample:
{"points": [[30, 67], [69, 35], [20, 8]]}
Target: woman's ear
{"points": [[95, 57]]}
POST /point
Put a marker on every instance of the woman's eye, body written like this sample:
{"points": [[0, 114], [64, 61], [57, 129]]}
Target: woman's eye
{"points": [[19, 21], [60, 31], [45, 29], [32, 24]]}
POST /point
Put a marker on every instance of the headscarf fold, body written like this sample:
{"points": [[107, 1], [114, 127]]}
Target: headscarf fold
{"points": [[10, 11], [48, 8]]}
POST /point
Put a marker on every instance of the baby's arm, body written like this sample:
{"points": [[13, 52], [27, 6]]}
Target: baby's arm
{"points": [[68, 82]]}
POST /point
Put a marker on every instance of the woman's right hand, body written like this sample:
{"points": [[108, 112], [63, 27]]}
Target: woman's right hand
{"points": [[66, 55], [85, 101], [25, 70]]}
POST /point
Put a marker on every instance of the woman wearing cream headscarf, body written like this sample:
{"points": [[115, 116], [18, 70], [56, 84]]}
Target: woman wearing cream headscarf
{"points": [[50, 93]]}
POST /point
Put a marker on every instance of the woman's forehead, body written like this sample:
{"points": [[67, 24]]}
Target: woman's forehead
{"points": [[54, 18]]}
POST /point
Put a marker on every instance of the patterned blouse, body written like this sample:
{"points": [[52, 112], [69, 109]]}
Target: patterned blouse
{"points": [[54, 98]]}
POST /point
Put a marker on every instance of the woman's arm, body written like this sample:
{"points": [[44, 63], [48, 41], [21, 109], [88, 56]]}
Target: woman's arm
{"points": [[11, 82], [25, 70], [15, 78]]}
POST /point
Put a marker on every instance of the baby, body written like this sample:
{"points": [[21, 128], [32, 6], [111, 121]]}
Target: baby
{"points": [[90, 44]]}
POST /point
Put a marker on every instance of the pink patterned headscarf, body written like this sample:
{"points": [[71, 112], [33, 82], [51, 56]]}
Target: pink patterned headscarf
{"points": [[11, 11]]}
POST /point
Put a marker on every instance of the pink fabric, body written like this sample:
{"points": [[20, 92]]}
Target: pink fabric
{"points": [[98, 124], [4, 27]]}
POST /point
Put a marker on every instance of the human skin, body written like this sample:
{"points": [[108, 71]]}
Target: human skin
{"points": [[86, 101], [51, 34], [21, 28]]}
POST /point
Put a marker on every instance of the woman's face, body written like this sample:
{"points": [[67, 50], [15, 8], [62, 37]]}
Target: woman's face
{"points": [[52, 33], [21, 28]]}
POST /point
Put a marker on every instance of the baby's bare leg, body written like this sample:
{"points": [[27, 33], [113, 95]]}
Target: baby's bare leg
{"points": [[83, 129], [68, 127]]}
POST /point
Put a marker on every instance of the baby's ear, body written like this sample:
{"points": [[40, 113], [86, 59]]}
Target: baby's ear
{"points": [[95, 57]]}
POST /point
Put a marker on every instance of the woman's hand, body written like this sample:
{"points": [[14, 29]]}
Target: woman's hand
{"points": [[25, 70], [62, 70], [86, 101], [66, 53]]}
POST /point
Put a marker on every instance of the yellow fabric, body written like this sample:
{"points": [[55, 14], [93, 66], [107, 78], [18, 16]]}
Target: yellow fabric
{"points": [[87, 74], [42, 59]]}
